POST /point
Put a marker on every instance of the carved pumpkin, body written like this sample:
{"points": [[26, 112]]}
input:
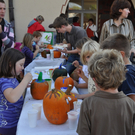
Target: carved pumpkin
{"points": [[58, 72], [39, 87], [71, 97], [63, 81], [57, 54], [49, 46], [43, 53], [56, 106]]}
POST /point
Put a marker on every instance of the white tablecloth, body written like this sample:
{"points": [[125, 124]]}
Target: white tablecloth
{"points": [[43, 126], [42, 62]]}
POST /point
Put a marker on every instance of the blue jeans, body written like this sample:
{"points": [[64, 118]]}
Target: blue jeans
{"points": [[69, 67]]}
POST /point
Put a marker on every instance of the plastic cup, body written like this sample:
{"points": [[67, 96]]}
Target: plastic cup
{"points": [[77, 105], [32, 118], [37, 107], [49, 82], [72, 119], [50, 72], [48, 56]]}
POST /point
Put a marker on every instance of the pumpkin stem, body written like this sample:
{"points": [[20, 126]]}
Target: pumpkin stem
{"points": [[68, 89], [40, 77], [53, 90]]}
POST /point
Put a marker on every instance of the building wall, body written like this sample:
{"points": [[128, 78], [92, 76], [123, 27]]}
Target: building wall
{"points": [[25, 11]]}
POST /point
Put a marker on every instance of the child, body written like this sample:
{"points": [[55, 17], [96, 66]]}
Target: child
{"points": [[121, 43], [107, 112], [87, 50], [27, 49], [78, 46], [11, 100], [37, 36]]}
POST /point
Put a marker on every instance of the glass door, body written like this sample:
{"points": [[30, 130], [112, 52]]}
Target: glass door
{"points": [[83, 10]]}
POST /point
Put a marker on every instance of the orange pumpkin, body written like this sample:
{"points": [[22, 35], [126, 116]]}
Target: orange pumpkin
{"points": [[71, 97], [57, 54], [43, 54], [39, 87], [56, 106], [63, 81], [49, 46]]}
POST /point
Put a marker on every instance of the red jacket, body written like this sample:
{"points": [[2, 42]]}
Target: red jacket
{"points": [[34, 25], [90, 33]]}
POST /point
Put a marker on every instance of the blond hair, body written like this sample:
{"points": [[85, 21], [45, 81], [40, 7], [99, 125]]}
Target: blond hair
{"points": [[89, 47], [107, 68], [27, 41]]}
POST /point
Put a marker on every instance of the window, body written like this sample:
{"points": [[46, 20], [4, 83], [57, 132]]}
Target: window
{"points": [[83, 10]]}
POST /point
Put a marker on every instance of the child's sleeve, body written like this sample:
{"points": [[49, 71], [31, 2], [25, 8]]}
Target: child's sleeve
{"points": [[29, 54], [128, 86], [84, 126], [6, 85]]}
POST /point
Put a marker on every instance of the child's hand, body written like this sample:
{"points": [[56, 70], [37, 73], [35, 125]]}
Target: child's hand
{"points": [[77, 95], [42, 43], [28, 77], [75, 83], [75, 63], [45, 45], [80, 73], [29, 84]]}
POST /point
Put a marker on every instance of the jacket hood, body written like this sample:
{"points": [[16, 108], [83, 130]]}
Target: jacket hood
{"points": [[32, 22]]}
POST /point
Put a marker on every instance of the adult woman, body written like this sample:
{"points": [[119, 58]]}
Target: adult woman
{"points": [[36, 25], [118, 24]]}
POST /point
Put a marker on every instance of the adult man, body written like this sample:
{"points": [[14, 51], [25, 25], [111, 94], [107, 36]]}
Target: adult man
{"points": [[72, 35], [6, 31], [35, 25], [60, 36]]}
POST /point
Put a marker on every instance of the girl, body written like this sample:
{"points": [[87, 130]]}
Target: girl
{"points": [[78, 46], [27, 49], [87, 50], [11, 100]]}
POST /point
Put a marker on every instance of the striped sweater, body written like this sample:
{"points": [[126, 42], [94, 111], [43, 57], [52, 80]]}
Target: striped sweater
{"points": [[7, 37]]}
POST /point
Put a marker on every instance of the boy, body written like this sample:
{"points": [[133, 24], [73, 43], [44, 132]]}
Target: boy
{"points": [[121, 43], [107, 112], [37, 35]]}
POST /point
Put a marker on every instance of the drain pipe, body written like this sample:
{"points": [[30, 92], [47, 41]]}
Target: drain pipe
{"points": [[11, 16]]}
